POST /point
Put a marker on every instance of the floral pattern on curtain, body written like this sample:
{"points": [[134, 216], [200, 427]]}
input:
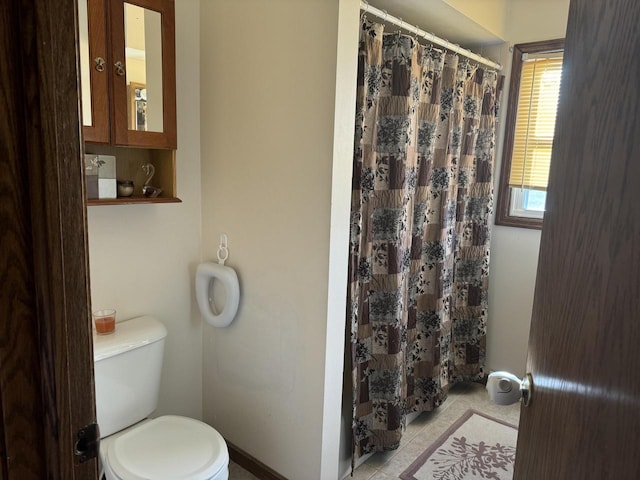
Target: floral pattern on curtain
{"points": [[422, 198]]}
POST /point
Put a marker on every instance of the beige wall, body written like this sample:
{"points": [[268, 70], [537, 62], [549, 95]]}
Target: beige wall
{"points": [[530, 21], [491, 14], [276, 169], [142, 257], [514, 251]]}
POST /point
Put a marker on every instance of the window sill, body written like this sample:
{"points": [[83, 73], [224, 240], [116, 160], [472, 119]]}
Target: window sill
{"points": [[521, 222]]}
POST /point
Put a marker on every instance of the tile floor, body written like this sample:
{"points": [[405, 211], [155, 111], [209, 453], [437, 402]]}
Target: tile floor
{"points": [[425, 429], [236, 472], [420, 433]]}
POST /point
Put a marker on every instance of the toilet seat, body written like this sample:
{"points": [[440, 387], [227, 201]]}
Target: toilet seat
{"points": [[168, 447], [206, 274]]}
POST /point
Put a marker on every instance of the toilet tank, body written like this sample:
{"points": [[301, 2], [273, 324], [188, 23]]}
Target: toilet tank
{"points": [[127, 366]]}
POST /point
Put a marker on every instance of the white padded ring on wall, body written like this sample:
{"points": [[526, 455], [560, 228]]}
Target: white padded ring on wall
{"points": [[207, 273]]}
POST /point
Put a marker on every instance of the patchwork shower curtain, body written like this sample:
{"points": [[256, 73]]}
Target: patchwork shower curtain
{"points": [[419, 246]]}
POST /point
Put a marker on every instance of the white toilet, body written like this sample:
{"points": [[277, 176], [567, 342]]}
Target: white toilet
{"points": [[127, 376]]}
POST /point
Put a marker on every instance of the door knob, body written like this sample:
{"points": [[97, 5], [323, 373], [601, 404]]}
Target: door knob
{"points": [[505, 388]]}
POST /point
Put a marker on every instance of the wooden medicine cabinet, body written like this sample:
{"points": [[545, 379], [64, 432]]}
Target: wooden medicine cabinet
{"points": [[127, 64]]}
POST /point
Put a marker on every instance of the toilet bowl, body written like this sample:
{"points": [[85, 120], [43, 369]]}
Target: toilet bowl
{"points": [[127, 367], [168, 447]]}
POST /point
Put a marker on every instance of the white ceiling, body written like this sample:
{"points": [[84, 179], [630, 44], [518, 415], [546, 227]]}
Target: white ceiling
{"points": [[440, 18]]}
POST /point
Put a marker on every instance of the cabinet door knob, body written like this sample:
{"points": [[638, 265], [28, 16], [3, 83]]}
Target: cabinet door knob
{"points": [[119, 68], [99, 64]]}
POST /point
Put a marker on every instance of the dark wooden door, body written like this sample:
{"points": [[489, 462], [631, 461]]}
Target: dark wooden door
{"points": [[584, 346], [46, 368]]}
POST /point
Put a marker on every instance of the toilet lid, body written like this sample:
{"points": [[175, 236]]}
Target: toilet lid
{"points": [[168, 447]]}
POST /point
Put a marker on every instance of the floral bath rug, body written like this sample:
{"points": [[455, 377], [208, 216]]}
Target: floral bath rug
{"points": [[475, 447]]}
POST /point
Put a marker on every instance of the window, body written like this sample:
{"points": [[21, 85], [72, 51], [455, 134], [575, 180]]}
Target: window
{"points": [[530, 125]]}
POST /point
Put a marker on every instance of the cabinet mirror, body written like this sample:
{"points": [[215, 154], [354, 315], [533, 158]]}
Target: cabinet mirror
{"points": [[94, 72], [85, 78], [143, 53]]}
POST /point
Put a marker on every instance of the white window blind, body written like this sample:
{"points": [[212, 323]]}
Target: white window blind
{"points": [[535, 122]]}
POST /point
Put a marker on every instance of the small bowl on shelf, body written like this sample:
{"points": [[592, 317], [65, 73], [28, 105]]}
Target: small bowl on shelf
{"points": [[125, 188]]}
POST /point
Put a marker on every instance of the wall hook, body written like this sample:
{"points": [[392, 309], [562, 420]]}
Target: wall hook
{"points": [[223, 249]]}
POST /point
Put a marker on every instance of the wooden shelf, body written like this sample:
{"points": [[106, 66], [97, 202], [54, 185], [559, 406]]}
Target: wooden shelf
{"points": [[130, 201], [129, 163]]}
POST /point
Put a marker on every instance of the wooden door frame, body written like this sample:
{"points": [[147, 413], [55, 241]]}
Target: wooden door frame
{"points": [[46, 367]]}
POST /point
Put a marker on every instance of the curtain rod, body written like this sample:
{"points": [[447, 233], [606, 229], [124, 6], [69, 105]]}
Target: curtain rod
{"points": [[429, 36]]}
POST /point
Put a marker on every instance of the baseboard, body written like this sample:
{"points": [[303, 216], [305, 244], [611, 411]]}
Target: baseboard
{"points": [[252, 465]]}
